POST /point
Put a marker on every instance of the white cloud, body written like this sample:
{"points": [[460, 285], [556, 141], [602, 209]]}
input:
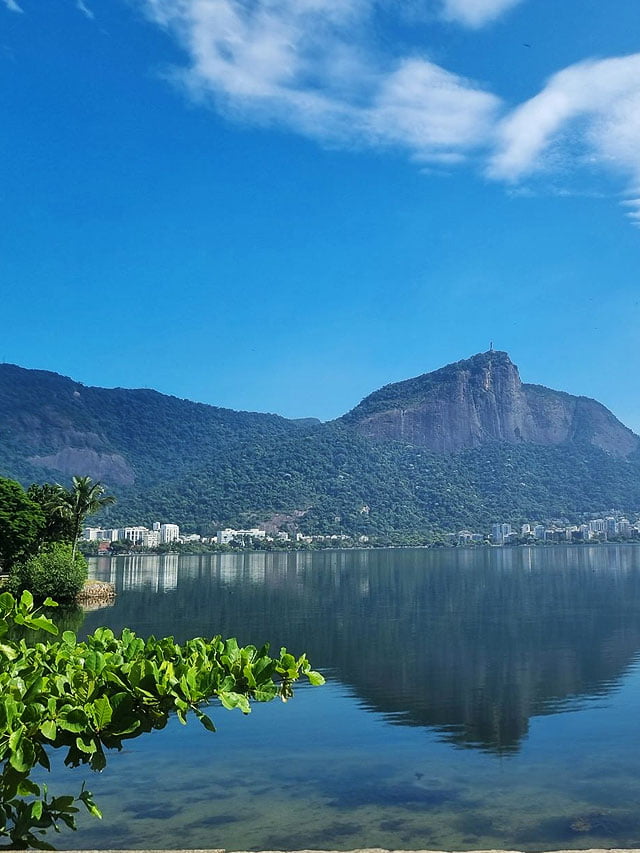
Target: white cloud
{"points": [[305, 64], [313, 66], [476, 13], [82, 7], [633, 212], [587, 115], [432, 112], [12, 6]]}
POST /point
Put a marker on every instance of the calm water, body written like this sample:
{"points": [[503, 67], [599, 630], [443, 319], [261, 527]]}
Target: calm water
{"points": [[474, 699]]}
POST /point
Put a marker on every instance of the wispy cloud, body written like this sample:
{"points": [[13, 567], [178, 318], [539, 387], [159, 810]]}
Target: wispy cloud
{"points": [[586, 115], [314, 66], [633, 205], [82, 7], [476, 13], [307, 64], [12, 6]]}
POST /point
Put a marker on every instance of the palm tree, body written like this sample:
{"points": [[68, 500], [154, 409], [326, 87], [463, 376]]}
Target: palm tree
{"points": [[53, 500], [85, 498]]}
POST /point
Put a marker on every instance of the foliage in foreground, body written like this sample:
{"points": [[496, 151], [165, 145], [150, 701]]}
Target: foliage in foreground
{"points": [[89, 697]]}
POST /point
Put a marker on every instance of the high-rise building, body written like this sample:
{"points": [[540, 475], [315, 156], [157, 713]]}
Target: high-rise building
{"points": [[624, 527], [169, 533], [499, 532], [151, 538]]}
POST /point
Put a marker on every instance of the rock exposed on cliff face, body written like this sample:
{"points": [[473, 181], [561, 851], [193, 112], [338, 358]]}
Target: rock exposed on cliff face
{"points": [[111, 467], [482, 400], [52, 425]]}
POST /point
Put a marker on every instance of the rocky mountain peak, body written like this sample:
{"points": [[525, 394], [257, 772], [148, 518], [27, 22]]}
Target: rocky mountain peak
{"points": [[481, 400]]}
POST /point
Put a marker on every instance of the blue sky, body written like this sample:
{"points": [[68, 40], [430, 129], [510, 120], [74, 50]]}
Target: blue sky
{"points": [[281, 205]]}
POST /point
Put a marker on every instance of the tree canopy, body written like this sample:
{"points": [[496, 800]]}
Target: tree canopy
{"points": [[51, 498], [21, 523], [45, 514]]}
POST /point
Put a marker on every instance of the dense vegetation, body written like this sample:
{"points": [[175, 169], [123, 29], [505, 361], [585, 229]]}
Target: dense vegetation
{"points": [[345, 484], [403, 394], [39, 532], [55, 571], [206, 468]]}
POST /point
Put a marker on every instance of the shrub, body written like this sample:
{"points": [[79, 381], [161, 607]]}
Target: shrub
{"points": [[54, 572]]}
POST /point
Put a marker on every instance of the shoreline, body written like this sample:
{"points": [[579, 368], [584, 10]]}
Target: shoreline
{"points": [[431, 547]]}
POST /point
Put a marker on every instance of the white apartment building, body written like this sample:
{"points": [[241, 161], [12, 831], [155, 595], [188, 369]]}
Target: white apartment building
{"points": [[98, 534], [624, 527], [224, 537], [151, 538], [134, 534], [169, 533], [90, 533], [139, 535]]}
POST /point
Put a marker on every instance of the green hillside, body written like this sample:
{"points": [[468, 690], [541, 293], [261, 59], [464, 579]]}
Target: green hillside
{"points": [[205, 467], [346, 484]]}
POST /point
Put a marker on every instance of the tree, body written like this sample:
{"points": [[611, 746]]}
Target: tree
{"points": [[89, 697], [52, 499], [21, 523], [85, 498]]}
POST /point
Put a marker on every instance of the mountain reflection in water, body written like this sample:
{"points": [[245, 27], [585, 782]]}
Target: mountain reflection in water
{"points": [[471, 643]]}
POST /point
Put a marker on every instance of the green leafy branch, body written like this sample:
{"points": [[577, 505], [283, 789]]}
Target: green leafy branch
{"points": [[88, 697]]}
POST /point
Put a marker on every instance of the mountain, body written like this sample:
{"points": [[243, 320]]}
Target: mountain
{"points": [[118, 435], [482, 400], [460, 447]]}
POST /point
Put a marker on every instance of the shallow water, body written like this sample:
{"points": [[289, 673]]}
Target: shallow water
{"points": [[475, 699]]}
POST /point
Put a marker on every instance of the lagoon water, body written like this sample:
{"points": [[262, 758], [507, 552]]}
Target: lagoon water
{"points": [[474, 699]]}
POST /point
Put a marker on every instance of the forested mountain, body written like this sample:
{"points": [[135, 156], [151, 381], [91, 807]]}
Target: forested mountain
{"points": [[460, 447]]}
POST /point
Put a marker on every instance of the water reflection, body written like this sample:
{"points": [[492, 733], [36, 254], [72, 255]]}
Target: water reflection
{"points": [[472, 643], [159, 574]]}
